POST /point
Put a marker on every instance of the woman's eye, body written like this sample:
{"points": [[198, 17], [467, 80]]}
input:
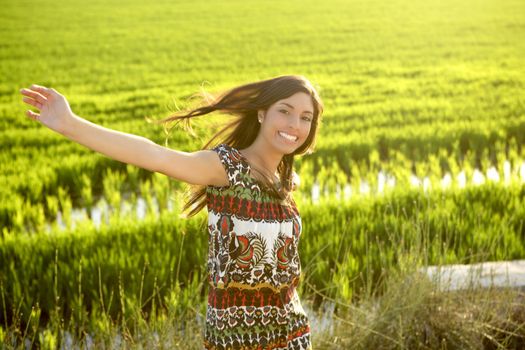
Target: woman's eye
{"points": [[283, 111], [308, 119]]}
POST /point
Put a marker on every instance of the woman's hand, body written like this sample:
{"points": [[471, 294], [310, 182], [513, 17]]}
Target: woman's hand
{"points": [[54, 108]]}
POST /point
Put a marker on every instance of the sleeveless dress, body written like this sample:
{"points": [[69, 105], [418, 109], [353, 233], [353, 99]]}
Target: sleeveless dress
{"points": [[253, 265]]}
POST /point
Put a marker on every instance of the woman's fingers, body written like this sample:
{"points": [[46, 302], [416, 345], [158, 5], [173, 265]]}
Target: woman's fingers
{"points": [[32, 102], [42, 90], [32, 115], [34, 95]]}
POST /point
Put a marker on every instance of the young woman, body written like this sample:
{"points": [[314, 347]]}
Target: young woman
{"points": [[246, 182]]}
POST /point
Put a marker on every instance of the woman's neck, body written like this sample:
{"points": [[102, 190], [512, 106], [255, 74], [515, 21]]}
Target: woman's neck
{"points": [[262, 160]]}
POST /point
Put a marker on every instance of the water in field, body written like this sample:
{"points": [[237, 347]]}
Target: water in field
{"points": [[102, 210], [385, 180]]}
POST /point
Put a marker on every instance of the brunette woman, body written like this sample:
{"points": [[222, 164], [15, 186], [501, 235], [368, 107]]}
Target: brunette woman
{"points": [[245, 180]]}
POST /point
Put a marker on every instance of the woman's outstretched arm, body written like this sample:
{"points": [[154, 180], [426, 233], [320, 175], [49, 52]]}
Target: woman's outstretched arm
{"points": [[201, 167]]}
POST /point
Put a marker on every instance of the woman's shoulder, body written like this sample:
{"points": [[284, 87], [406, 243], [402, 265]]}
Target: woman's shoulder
{"points": [[228, 154], [233, 163]]}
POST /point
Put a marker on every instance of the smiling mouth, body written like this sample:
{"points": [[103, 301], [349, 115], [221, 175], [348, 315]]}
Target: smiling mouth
{"points": [[288, 136]]}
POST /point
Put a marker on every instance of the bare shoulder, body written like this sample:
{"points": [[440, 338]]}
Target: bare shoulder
{"points": [[197, 168]]}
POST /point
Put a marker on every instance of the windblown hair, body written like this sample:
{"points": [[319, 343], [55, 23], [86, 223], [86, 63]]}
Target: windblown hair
{"points": [[243, 102]]}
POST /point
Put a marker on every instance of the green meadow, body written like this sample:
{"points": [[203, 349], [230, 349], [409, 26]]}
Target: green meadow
{"points": [[410, 88]]}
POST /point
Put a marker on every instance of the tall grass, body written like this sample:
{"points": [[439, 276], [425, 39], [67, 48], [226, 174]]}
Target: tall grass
{"points": [[370, 285], [408, 310]]}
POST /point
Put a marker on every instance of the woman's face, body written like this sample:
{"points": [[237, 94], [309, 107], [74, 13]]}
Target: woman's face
{"points": [[287, 123]]}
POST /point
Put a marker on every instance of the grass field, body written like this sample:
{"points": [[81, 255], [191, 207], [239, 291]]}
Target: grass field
{"points": [[424, 87]]}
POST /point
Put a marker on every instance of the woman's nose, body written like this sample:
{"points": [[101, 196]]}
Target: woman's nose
{"points": [[294, 122]]}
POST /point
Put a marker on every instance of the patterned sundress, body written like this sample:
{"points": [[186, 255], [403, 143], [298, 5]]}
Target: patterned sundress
{"points": [[253, 265]]}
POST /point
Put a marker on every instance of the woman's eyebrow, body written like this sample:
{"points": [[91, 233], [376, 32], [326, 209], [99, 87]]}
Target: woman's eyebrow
{"points": [[289, 105]]}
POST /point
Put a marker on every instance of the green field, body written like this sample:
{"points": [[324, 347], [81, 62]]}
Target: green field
{"points": [[409, 87]]}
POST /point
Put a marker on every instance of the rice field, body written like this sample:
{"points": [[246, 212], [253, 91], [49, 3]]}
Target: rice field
{"points": [[426, 90]]}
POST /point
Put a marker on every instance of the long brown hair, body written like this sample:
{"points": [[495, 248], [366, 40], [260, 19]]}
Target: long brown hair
{"points": [[243, 102]]}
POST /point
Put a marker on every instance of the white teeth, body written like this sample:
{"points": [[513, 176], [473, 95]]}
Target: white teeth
{"points": [[288, 137]]}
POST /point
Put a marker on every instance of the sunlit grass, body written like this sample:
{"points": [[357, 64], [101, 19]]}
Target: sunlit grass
{"points": [[396, 306], [427, 87]]}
